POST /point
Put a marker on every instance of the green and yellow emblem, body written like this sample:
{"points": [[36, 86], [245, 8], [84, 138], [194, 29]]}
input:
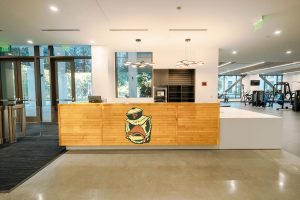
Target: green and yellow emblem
{"points": [[138, 126]]}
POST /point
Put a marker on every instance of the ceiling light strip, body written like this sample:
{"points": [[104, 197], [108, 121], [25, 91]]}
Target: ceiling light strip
{"points": [[291, 72], [134, 29], [252, 65], [188, 29], [278, 66], [53, 30], [225, 64]]}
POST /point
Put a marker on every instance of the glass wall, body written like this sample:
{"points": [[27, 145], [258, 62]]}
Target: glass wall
{"points": [[45, 89], [83, 79], [76, 56], [8, 80], [72, 50], [226, 82], [272, 79], [28, 88], [133, 81]]}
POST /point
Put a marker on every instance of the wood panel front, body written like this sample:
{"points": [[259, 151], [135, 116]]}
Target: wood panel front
{"points": [[80, 124], [172, 123]]}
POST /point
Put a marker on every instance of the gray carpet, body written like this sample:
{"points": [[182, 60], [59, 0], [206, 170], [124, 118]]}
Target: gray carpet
{"points": [[23, 159]]}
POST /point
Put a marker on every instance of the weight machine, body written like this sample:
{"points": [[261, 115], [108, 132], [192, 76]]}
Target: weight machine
{"points": [[282, 94]]}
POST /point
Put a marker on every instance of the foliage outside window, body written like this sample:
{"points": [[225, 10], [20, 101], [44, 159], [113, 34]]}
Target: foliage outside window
{"points": [[72, 50], [226, 82], [16, 50], [83, 79], [131, 81]]}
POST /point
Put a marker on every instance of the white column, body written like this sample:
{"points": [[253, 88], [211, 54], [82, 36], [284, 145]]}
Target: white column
{"points": [[100, 79]]}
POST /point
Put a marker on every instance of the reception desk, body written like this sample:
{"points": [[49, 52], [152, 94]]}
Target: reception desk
{"points": [[142, 124]]}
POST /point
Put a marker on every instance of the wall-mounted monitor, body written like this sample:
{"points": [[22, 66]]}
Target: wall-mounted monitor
{"points": [[255, 82]]}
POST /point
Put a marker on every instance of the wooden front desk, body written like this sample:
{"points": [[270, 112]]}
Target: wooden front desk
{"points": [[171, 124]]}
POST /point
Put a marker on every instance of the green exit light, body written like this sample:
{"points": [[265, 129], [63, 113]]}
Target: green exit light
{"points": [[4, 48]]}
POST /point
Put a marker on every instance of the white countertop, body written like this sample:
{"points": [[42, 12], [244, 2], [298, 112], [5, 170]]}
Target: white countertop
{"points": [[229, 112]]}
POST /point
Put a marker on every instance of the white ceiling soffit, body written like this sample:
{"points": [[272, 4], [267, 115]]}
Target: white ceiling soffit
{"points": [[243, 67], [246, 68], [277, 69], [229, 24]]}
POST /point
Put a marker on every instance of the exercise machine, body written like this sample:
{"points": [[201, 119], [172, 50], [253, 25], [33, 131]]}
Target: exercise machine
{"points": [[282, 94], [296, 103]]}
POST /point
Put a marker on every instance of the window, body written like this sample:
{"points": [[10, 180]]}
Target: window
{"points": [[72, 50], [225, 82], [272, 79], [16, 50], [44, 50], [132, 81], [83, 79]]}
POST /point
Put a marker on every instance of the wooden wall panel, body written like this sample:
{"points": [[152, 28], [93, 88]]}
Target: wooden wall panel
{"points": [[172, 123], [80, 124], [198, 124]]}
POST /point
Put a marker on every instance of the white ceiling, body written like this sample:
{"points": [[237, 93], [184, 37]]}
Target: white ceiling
{"points": [[229, 24]]}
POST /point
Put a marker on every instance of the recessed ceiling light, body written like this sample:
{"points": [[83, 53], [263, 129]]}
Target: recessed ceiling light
{"points": [[234, 52], [29, 41], [288, 52], [277, 32], [53, 8], [92, 42]]}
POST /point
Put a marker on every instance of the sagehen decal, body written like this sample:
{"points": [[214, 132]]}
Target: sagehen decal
{"points": [[138, 126]]}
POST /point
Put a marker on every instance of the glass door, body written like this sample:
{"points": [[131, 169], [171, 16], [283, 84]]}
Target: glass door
{"points": [[28, 90], [8, 85], [18, 89], [65, 82]]}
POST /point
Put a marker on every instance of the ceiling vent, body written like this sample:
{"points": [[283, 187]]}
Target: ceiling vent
{"points": [[188, 29], [128, 29], [60, 30]]}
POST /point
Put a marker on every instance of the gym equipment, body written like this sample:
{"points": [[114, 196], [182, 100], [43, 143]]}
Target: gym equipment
{"points": [[258, 98], [282, 95], [296, 103]]}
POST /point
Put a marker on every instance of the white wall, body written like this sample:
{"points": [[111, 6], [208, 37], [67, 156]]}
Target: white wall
{"points": [[293, 79], [246, 82], [164, 57]]}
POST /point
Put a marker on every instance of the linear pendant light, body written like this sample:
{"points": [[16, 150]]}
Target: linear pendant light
{"points": [[140, 63], [188, 63]]}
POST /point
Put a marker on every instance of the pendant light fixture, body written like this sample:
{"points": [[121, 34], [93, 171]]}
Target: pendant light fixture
{"points": [[138, 63], [188, 63]]}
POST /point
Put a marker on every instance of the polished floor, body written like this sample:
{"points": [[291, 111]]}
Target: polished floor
{"points": [[291, 125], [174, 174], [166, 174]]}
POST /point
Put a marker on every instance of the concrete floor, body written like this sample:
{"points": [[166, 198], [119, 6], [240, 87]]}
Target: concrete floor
{"points": [[173, 174], [166, 174]]}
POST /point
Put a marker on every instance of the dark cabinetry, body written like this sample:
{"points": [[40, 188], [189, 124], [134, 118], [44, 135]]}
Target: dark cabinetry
{"points": [[179, 84]]}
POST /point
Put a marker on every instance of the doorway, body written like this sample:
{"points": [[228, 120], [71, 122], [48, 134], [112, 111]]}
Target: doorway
{"points": [[18, 85]]}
